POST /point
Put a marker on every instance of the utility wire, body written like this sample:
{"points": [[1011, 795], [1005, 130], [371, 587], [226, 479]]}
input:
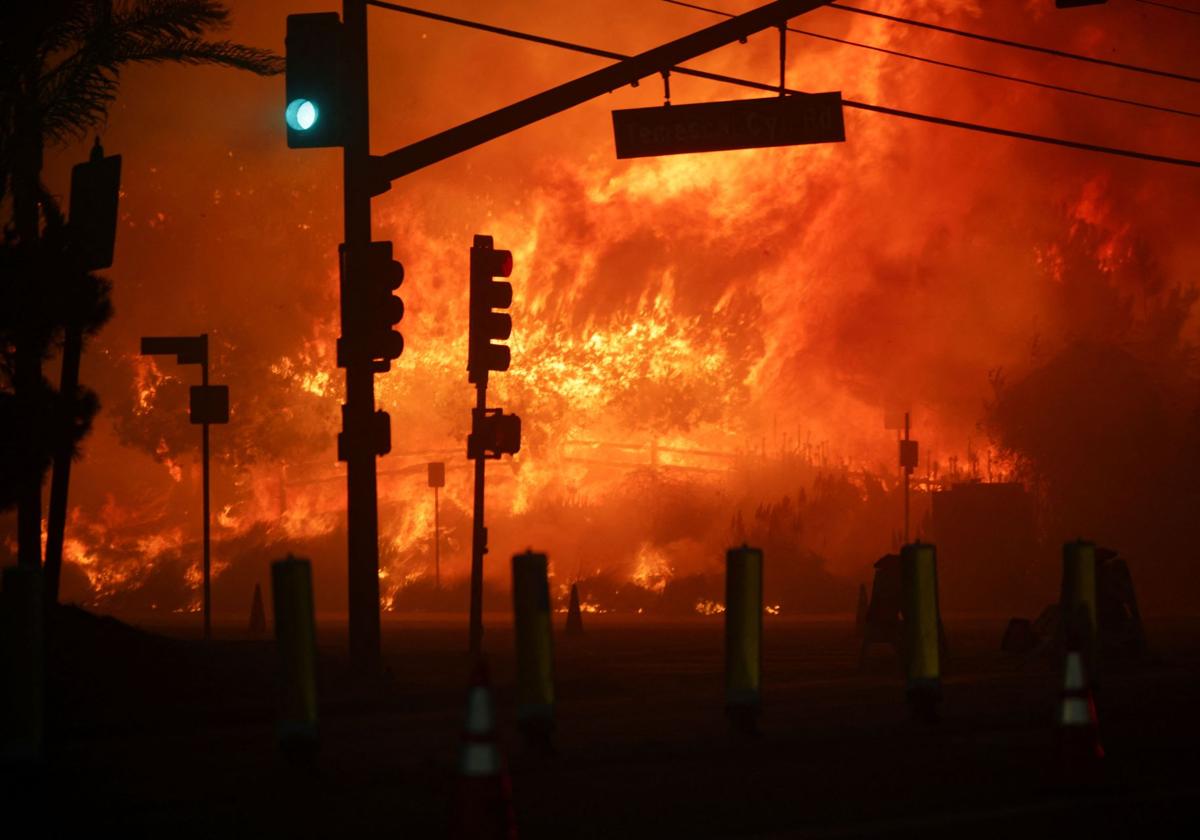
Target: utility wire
{"points": [[1171, 7], [989, 39], [849, 103], [990, 74]]}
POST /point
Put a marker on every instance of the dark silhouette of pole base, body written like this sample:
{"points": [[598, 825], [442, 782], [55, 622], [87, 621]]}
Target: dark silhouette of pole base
{"points": [[479, 531], [574, 613], [362, 514], [258, 616]]}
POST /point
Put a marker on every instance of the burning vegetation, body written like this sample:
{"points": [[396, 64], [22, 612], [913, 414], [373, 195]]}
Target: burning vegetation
{"points": [[704, 348]]}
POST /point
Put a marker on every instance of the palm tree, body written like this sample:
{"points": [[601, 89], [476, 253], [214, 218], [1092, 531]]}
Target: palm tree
{"points": [[60, 63]]}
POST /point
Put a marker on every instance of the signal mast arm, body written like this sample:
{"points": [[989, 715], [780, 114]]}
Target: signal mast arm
{"points": [[389, 167]]}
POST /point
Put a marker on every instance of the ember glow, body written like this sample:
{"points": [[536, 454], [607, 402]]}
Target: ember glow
{"points": [[704, 346]]}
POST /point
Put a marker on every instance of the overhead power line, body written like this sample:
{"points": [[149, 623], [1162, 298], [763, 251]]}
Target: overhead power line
{"points": [[1171, 7], [989, 39], [774, 88], [976, 70]]}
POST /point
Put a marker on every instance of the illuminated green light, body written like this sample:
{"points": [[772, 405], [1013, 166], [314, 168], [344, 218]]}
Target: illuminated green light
{"points": [[301, 114]]}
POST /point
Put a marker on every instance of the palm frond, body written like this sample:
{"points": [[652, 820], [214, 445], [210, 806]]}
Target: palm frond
{"points": [[152, 20], [75, 94], [74, 103], [192, 50]]}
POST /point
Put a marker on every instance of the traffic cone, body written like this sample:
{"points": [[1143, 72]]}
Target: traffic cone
{"points": [[483, 806], [258, 617], [574, 616], [860, 617], [1080, 750]]}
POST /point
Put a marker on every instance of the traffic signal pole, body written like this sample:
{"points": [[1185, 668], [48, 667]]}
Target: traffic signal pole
{"points": [[362, 517], [329, 95], [479, 532], [492, 432]]}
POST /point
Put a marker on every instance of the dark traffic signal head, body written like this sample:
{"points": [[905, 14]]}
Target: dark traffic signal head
{"points": [[382, 310], [495, 434], [487, 296], [314, 80], [369, 309]]}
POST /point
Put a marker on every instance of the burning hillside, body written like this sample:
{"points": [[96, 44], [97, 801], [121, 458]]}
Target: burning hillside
{"points": [[704, 347]]}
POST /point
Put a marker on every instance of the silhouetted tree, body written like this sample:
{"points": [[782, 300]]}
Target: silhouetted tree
{"points": [[60, 63], [1102, 423]]}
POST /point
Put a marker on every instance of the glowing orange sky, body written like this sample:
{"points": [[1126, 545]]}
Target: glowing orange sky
{"points": [[706, 301]]}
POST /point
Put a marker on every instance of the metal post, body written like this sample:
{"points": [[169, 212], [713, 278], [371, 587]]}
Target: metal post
{"points": [[437, 543], [60, 478], [207, 526], [907, 471], [533, 636], [361, 513], [743, 635], [479, 532], [296, 641]]}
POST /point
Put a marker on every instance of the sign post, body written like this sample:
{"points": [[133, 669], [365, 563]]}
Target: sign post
{"points": [[208, 404], [437, 479], [908, 462]]}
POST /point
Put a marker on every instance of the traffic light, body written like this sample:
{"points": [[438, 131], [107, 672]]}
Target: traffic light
{"points": [[95, 191], [369, 309], [314, 81], [496, 434], [375, 434], [380, 309], [488, 295]]}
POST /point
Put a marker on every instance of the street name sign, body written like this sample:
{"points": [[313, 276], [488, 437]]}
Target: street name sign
{"points": [[720, 126]]}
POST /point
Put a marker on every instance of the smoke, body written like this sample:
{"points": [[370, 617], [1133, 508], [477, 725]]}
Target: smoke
{"points": [[778, 300]]}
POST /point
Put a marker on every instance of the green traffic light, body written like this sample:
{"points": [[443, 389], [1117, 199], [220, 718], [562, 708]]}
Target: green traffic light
{"points": [[301, 114]]}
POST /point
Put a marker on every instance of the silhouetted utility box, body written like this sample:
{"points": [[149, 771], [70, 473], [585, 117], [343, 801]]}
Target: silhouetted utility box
{"points": [[987, 550], [437, 474], [209, 404]]}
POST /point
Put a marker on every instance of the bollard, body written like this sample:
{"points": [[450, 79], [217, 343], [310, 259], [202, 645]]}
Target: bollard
{"points": [[743, 636], [535, 651], [1077, 601], [23, 647], [922, 626], [295, 636]]}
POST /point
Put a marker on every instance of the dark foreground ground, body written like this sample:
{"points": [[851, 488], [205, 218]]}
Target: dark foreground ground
{"points": [[157, 737]]}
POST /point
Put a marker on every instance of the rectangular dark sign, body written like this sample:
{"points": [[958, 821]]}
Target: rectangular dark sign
{"points": [[720, 126], [209, 404], [187, 349]]}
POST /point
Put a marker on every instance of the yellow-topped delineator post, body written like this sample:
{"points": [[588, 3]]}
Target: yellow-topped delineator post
{"points": [[535, 648], [1077, 601], [743, 635], [922, 626], [296, 639], [22, 649]]}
